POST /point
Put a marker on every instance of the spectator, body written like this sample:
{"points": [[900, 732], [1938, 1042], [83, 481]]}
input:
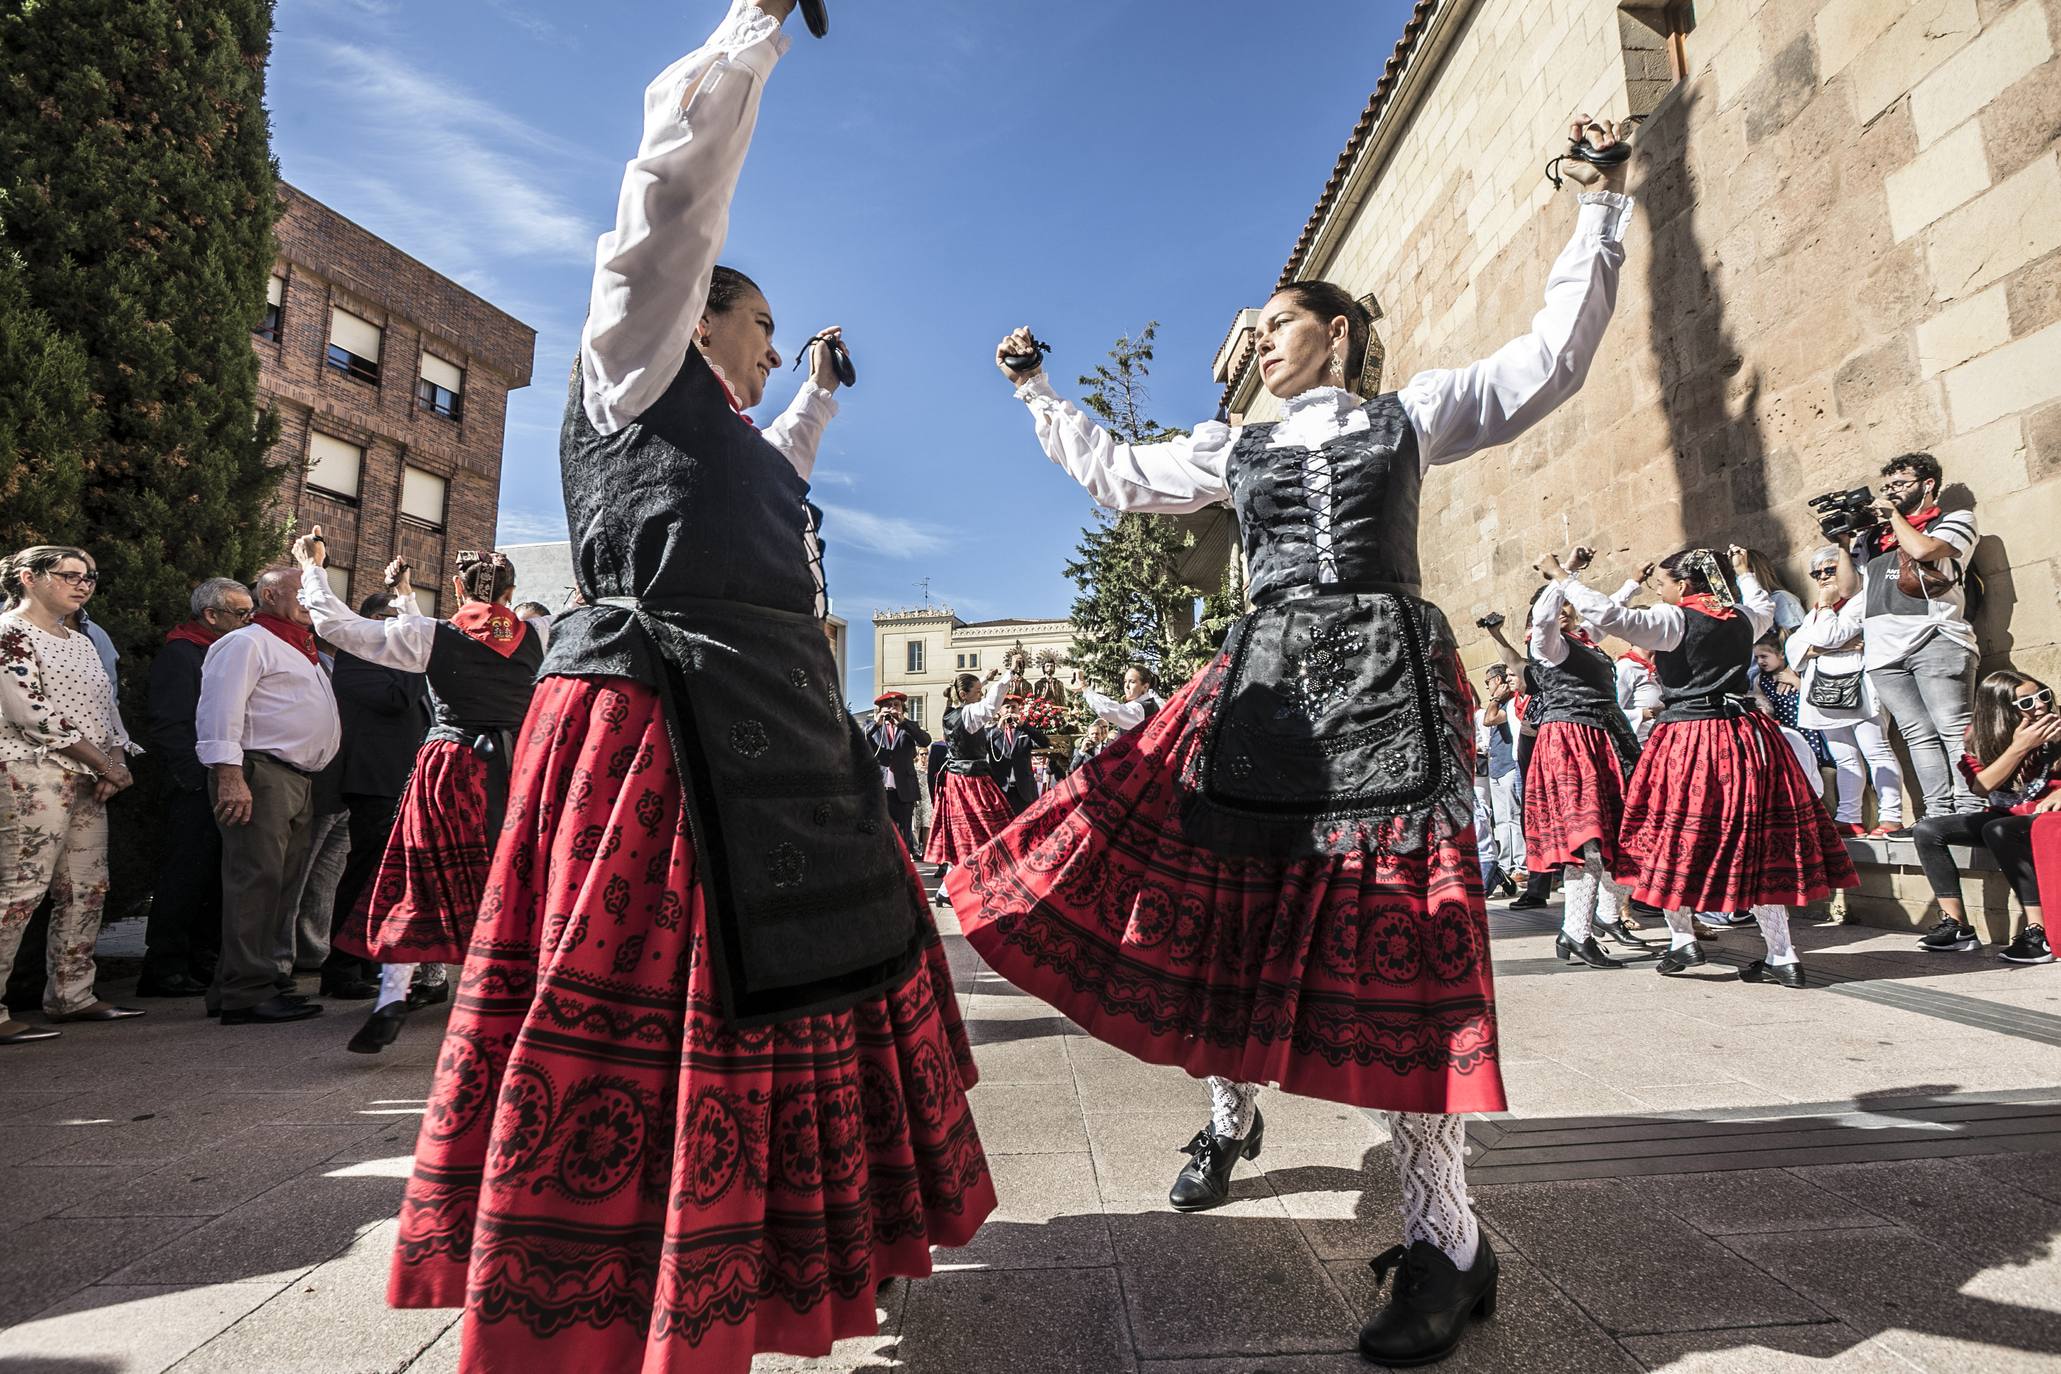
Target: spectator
{"points": [[2013, 759], [1788, 609], [1919, 647], [384, 713], [1838, 701], [63, 753], [184, 936], [538, 617], [1781, 693], [267, 724], [1638, 690], [1497, 778], [311, 897], [1011, 744], [1093, 742], [894, 741]]}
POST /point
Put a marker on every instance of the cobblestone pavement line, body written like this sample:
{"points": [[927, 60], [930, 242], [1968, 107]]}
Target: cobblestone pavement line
{"points": [[1694, 1174]]}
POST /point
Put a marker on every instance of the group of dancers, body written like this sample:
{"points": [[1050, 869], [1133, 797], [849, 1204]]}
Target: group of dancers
{"points": [[704, 1086]]}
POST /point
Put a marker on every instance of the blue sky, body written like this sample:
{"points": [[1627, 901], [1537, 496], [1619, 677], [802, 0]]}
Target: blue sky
{"points": [[930, 176]]}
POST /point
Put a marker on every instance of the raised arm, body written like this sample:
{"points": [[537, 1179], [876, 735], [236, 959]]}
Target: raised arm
{"points": [[1756, 603], [652, 270], [799, 430], [1548, 645], [403, 642], [1457, 411], [981, 714], [1172, 477], [1124, 715], [1648, 627]]}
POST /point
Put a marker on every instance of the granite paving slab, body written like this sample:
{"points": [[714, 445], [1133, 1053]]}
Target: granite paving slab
{"points": [[279, 1234], [999, 1322], [46, 1261], [1049, 1215], [130, 1328], [1237, 1285]]}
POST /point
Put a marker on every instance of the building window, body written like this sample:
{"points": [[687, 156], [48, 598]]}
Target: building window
{"points": [[275, 302], [441, 387], [339, 582], [422, 498], [916, 705], [969, 662], [1654, 35], [354, 345], [333, 467], [915, 660], [426, 601]]}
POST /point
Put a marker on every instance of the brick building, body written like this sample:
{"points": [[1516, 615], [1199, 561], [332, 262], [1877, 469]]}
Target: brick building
{"points": [[392, 383], [1848, 245]]}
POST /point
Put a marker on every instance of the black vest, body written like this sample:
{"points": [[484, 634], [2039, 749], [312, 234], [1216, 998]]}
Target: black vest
{"points": [[1580, 690], [1374, 490], [1709, 666], [474, 690], [969, 748], [688, 539]]}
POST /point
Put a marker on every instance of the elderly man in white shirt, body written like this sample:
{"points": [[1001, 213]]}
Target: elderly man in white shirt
{"points": [[266, 724]]}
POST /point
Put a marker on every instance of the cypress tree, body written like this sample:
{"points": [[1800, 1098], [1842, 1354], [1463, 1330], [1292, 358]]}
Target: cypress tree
{"points": [[137, 196]]}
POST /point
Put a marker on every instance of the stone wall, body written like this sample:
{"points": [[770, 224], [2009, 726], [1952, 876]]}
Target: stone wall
{"points": [[1845, 248]]}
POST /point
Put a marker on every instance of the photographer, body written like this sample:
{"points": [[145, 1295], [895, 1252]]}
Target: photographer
{"points": [[1920, 648]]}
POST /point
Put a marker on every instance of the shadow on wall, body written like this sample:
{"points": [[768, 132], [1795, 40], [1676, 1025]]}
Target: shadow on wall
{"points": [[1992, 611], [1721, 463]]}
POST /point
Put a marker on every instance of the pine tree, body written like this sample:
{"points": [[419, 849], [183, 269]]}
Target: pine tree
{"points": [[137, 196], [1132, 607]]}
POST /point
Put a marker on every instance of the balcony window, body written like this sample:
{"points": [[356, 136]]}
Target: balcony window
{"points": [[354, 346], [275, 302], [441, 387], [333, 467], [422, 498]]}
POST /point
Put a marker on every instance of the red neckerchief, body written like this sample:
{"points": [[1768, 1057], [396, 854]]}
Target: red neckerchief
{"points": [[1920, 522], [1639, 658], [493, 625], [300, 636], [1708, 604], [1582, 636], [192, 632]]}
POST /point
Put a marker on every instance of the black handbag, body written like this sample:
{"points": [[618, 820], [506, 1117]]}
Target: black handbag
{"points": [[1835, 691]]}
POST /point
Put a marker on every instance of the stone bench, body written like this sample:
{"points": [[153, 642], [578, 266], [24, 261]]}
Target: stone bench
{"points": [[1894, 895]]}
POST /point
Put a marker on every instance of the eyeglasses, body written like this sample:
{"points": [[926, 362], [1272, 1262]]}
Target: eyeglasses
{"points": [[1901, 484], [75, 579], [1823, 574], [2043, 697], [234, 612]]}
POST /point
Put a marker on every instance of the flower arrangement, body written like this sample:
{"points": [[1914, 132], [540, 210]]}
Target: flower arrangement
{"points": [[1045, 715]]}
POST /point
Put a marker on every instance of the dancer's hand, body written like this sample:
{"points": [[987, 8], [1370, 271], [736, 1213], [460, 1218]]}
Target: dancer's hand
{"points": [[397, 578], [822, 365], [309, 551], [1549, 567], [1021, 342], [1741, 561], [1646, 572], [1601, 134], [1579, 557]]}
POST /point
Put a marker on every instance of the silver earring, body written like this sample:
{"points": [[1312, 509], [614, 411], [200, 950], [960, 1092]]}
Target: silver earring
{"points": [[1337, 370]]}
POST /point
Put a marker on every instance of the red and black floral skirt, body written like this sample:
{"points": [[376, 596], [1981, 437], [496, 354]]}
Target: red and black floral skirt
{"points": [[611, 1177], [1720, 817], [419, 905], [970, 810], [1360, 978], [1573, 795]]}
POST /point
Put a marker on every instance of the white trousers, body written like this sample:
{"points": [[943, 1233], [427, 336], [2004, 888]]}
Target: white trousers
{"points": [[1862, 752]]}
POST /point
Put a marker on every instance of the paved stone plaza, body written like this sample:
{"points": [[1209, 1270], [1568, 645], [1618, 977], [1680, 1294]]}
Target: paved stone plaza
{"points": [[1696, 1175]]}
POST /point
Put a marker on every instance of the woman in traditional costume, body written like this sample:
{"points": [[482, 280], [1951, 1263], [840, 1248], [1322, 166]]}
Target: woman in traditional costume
{"points": [[704, 1085], [969, 807], [1719, 815], [1274, 881]]}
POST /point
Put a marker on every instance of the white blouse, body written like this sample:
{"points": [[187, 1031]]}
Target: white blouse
{"points": [[1124, 715], [54, 693], [1547, 644], [1660, 627], [1455, 411]]}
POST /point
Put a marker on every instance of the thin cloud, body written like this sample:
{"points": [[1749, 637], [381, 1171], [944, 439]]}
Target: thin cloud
{"points": [[535, 25], [529, 526], [833, 477], [890, 536]]}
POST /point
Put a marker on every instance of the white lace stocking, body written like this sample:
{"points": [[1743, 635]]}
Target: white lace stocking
{"points": [[1681, 928], [1774, 928], [1577, 921], [1231, 1105], [1611, 898], [393, 983], [1431, 1156]]}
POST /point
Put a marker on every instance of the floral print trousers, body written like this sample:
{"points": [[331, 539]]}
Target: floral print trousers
{"points": [[53, 840]]}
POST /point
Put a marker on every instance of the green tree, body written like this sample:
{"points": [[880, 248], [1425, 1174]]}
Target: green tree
{"points": [[137, 197], [1132, 606]]}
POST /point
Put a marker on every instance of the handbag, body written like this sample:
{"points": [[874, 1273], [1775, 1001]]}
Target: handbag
{"points": [[1835, 691]]}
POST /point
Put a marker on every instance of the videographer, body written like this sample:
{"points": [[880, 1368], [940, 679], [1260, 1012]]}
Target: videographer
{"points": [[1919, 647]]}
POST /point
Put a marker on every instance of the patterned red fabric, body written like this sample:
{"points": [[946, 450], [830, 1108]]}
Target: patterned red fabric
{"points": [[1720, 817], [611, 1178], [1573, 793], [419, 906], [970, 810], [1360, 978]]}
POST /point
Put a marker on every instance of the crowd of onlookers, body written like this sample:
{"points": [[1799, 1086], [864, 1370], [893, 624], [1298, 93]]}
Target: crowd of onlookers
{"points": [[278, 766], [1878, 641]]}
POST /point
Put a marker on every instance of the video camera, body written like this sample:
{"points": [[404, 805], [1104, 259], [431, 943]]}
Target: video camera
{"points": [[1844, 516]]}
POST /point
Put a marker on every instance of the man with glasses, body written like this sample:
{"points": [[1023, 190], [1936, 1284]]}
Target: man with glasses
{"points": [[184, 936], [1920, 649]]}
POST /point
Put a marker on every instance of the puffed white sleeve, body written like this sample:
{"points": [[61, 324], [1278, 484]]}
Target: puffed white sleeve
{"points": [[1548, 645], [1457, 411], [1171, 477], [1648, 627], [1756, 604], [652, 270], [980, 714], [1124, 715], [798, 432], [403, 642]]}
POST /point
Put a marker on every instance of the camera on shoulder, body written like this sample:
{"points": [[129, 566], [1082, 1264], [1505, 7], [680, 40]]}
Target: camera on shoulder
{"points": [[1847, 515]]}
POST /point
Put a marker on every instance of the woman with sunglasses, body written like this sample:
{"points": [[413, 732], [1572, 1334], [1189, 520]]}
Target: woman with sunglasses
{"points": [[1838, 701], [1718, 816], [2013, 758], [63, 753]]}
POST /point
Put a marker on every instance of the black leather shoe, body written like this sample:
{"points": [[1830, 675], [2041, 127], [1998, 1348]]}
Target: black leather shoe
{"points": [[428, 994], [1588, 952], [815, 17], [381, 1029], [348, 989], [169, 985], [270, 1012], [1508, 887], [1528, 899], [1618, 931], [1761, 971], [1206, 1181], [1429, 1306], [1676, 960]]}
